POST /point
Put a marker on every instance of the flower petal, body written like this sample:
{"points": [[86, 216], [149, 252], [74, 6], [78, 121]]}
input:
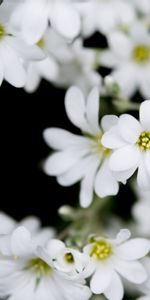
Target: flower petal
{"points": [[13, 69], [60, 139], [133, 271], [31, 223], [101, 280], [143, 177], [92, 110], [105, 183], [145, 114], [124, 159], [129, 128], [115, 291], [127, 250], [62, 161], [112, 139], [109, 121], [54, 247], [147, 161], [122, 236], [65, 20], [75, 108], [21, 242], [76, 172], [87, 184]]}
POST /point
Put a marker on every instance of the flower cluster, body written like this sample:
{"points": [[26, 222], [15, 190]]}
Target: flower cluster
{"points": [[102, 157], [46, 39], [35, 265]]}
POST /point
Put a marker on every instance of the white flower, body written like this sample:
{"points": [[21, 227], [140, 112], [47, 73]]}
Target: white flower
{"points": [[129, 56], [130, 141], [104, 16], [81, 157], [31, 223], [27, 272], [13, 52], [65, 64], [112, 258], [141, 211], [68, 260], [79, 68], [32, 18]]}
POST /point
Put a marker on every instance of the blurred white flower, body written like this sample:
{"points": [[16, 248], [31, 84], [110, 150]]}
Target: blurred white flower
{"points": [[129, 56], [141, 213], [79, 68], [32, 18], [81, 157], [13, 52], [31, 223], [112, 258], [65, 64], [130, 141], [27, 272], [103, 16], [142, 6]]}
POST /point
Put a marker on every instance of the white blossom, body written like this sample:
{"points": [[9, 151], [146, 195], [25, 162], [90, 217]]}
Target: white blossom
{"points": [[31, 18], [65, 64], [27, 272], [13, 51], [112, 258], [104, 16], [81, 158], [79, 68], [130, 141], [129, 56], [40, 234]]}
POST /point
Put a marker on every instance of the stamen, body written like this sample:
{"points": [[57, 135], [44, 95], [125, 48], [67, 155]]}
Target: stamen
{"points": [[69, 258], [2, 31], [141, 54], [144, 141], [101, 250]]}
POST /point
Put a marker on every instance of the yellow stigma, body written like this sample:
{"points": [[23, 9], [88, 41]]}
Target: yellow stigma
{"points": [[144, 141], [41, 43], [39, 267], [141, 54], [2, 31], [69, 258], [101, 250]]}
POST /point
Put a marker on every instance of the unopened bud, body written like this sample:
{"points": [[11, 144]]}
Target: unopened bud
{"points": [[111, 86]]}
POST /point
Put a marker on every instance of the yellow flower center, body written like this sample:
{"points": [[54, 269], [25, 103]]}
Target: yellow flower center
{"points": [[39, 267], [141, 54], [2, 31], [41, 43], [144, 141], [69, 258], [101, 250]]}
